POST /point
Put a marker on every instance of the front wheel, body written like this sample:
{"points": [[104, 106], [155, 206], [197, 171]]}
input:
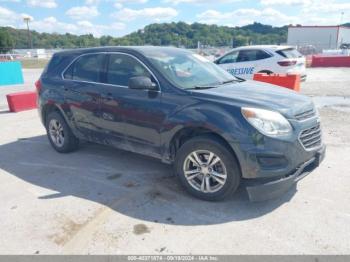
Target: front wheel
{"points": [[207, 169]]}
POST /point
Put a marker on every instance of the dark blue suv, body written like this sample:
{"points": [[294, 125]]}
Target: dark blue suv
{"points": [[177, 106]]}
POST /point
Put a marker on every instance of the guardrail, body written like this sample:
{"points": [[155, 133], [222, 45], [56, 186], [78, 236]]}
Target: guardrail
{"points": [[288, 81], [330, 61]]}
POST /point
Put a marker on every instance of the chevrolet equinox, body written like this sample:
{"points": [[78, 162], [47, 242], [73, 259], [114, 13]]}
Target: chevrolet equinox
{"points": [[217, 130]]}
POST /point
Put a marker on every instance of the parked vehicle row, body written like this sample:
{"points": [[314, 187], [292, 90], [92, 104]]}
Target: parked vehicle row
{"points": [[177, 106]]}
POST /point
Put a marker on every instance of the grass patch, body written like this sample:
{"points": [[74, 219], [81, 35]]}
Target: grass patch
{"points": [[34, 63]]}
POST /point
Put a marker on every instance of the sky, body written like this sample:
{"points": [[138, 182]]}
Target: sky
{"points": [[120, 17]]}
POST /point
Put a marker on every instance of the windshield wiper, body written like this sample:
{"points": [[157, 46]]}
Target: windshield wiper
{"points": [[216, 84], [232, 80], [204, 86], [229, 81]]}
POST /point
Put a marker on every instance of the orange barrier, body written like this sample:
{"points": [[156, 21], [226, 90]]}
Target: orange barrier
{"points": [[330, 61], [22, 101], [308, 60], [288, 81]]}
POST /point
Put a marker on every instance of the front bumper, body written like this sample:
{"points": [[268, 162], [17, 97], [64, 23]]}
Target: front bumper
{"points": [[268, 190]]}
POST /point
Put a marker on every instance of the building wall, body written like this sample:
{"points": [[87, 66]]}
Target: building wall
{"points": [[344, 36], [319, 37]]}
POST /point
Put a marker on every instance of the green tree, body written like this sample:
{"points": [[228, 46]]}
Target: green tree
{"points": [[239, 40], [175, 34], [6, 41]]}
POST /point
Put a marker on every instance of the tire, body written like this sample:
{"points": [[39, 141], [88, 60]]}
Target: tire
{"points": [[65, 142], [268, 72], [227, 164]]}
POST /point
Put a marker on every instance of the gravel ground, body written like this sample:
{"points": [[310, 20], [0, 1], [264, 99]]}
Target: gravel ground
{"points": [[100, 200], [327, 82]]}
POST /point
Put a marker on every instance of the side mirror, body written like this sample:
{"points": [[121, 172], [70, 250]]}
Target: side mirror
{"points": [[216, 61], [141, 82]]}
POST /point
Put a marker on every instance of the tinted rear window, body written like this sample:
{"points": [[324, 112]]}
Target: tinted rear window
{"points": [[289, 53], [252, 55], [54, 62], [56, 65], [86, 68]]}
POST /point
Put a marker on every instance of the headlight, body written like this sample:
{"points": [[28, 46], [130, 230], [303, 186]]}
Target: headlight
{"points": [[267, 122]]}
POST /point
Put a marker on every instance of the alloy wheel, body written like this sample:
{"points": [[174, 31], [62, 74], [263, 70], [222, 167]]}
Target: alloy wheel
{"points": [[205, 171], [56, 132]]}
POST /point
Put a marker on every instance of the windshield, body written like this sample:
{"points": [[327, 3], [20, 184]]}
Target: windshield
{"points": [[188, 70]]}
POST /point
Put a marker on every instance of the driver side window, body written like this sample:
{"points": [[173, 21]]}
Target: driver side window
{"points": [[229, 58], [122, 67]]}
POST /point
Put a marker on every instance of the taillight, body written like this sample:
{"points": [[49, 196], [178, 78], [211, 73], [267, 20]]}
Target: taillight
{"points": [[287, 63], [38, 86]]}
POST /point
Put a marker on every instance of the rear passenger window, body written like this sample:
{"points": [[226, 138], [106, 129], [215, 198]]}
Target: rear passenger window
{"points": [[262, 55], [122, 67], [252, 55], [86, 68], [68, 74]]}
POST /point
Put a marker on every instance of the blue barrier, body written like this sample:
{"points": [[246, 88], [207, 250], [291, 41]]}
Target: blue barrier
{"points": [[11, 73]]}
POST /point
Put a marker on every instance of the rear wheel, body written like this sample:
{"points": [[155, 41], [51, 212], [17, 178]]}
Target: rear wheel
{"points": [[59, 134], [207, 169], [268, 72]]}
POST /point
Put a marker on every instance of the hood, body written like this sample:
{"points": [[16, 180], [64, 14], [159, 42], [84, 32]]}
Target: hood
{"points": [[260, 95]]}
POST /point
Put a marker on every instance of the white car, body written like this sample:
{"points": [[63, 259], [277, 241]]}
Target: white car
{"points": [[246, 61]]}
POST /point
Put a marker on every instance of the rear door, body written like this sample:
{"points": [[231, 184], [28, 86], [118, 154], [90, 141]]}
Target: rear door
{"points": [[245, 63], [82, 85], [129, 115]]}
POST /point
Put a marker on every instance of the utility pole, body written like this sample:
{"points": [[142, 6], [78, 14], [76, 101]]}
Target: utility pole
{"points": [[30, 42], [341, 18], [143, 36]]}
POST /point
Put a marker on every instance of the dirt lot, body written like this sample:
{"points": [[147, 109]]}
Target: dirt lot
{"points": [[100, 200]]}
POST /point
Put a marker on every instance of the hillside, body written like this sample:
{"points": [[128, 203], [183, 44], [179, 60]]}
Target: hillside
{"points": [[177, 34]]}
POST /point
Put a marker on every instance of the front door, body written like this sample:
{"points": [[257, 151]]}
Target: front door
{"points": [[133, 116], [240, 63]]}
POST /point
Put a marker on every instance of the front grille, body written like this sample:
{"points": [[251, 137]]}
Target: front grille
{"points": [[311, 138], [306, 115]]}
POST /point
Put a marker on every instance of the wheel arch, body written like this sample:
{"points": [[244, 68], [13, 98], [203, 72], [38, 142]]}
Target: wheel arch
{"points": [[269, 72], [186, 133], [48, 108]]}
